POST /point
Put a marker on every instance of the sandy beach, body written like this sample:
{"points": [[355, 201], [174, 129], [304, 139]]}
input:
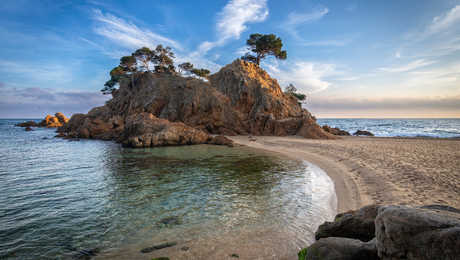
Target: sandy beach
{"points": [[367, 170]]}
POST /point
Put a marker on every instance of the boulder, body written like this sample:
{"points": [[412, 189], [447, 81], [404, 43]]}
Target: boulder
{"points": [[28, 128], [335, 130], [363, 132], [27, 124], [221, 140], [358, 224], [340, 248], [414, 233], [61, 117]]}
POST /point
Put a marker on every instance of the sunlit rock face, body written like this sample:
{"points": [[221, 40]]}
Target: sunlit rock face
{"points": [[240, 99]]}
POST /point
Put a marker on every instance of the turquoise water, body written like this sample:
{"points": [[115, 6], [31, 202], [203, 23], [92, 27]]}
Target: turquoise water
{"points": [[426, 127], [60, 199]]}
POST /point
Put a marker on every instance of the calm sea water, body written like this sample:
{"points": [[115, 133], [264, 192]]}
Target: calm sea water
{"points": [[443, 128], [59, 198]]}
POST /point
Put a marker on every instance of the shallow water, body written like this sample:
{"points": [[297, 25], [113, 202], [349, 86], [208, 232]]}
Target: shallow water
{"points": [[58, 198]]}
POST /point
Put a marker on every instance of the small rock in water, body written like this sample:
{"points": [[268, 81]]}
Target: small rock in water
{"points": [[185, 248], [158, 247], [28, 128], [86, 254], [169, 221], [161, 258], [235, 256]]}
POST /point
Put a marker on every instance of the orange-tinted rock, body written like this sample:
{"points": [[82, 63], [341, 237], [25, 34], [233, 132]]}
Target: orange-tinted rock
{"points": [[166, 109]]}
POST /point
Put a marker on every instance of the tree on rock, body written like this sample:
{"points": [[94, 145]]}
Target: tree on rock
{"points": [[128, 65], [164, 60], [145, 56], [203, 73], [292, 90], [263, 45], [185, 67]]}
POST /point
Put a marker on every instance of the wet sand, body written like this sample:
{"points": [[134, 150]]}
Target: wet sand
{"points": [[367, 170]]}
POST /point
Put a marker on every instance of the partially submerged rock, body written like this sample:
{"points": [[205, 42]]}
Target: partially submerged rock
{"points": [[156, 109], [335, 131], [50, 121], [158, 247], [28, 129], [363, 132]]}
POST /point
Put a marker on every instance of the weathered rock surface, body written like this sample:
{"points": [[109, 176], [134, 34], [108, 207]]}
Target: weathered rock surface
{"points": [[335, 130], [358, 224], [363, 132], [50, 121], [161, 109], [409, 233], [341, 248], [401, 232]]}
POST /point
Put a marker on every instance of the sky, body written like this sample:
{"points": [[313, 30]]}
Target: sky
{"points": [[384, 59]]}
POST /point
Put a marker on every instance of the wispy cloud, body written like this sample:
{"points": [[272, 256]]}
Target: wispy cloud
{"points": [[342, 42], [34, 102], [445, 21], [35, 71], [233, 20], [307, 76], [128, 34], [408, 67], [296, 19]]}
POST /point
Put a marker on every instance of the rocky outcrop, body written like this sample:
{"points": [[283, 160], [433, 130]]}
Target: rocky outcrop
{"points": [[358, 224], [162, 109], [335, 130], [401, 232], [50, 121], [363, 132]]}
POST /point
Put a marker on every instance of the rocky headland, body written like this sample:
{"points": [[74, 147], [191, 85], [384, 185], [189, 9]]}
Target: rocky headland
{"points": [[157, 109]]}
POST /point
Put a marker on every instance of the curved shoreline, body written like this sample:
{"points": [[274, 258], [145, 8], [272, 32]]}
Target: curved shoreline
{"points": [[348, 195]]}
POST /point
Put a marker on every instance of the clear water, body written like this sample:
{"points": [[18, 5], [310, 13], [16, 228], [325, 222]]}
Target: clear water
{"points": [[60, 197], [440, 128]]}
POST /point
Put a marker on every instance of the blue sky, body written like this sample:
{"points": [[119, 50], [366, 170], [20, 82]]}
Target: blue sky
{"points": [[352, 58]]}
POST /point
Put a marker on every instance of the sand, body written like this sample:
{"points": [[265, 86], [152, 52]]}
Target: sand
{"points": [[368, 170]]}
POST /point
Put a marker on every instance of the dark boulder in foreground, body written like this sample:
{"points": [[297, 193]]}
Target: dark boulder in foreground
{"points": [[363, 132], [401, 232], [156, 109], [358, 224]]}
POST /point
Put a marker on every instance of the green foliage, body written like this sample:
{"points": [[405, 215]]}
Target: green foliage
{"points": [[164, 58], [144, 55], [186, 66], [292, 90], [204, 73], [263, 45], [161, 258], [302, 254]]}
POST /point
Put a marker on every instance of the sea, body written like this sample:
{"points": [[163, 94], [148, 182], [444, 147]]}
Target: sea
{"points": [[426, 127], [85, 199]]}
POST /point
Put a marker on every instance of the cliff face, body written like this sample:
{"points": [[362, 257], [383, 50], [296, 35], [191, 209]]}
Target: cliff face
{"points": [[239, 99]]}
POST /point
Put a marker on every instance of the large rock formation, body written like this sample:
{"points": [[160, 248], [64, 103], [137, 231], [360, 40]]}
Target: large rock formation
{"points": [[239, 99], [400, 232]]}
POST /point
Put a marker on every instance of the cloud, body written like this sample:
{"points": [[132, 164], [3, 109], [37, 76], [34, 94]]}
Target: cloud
{"points": [[295, 19], [306, 76], [233, 20], [408, 67], [37, 72], [36, 102], [326, 104], [128, 34], [445, 21]]}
